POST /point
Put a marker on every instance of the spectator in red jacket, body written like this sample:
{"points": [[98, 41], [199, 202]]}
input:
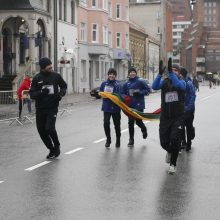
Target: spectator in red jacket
{"points": [[23, 96]]}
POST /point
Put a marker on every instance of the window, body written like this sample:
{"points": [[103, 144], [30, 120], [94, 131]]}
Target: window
{"points": [[105, 35], [96, 70], [65, 11], [94, 33], [94, 3], [118, 39], [127, 13], [110, 9], [60, 9], [73, 21], [82, 31], [102, 70], [118, 11], [105, 5], [110, 38], [83, 69]]}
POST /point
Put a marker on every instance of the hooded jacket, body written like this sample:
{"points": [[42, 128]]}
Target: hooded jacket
{"points": [[24, 86], [190, 95], [132, 85], [112, 86], [56, 85], [172, 95]]}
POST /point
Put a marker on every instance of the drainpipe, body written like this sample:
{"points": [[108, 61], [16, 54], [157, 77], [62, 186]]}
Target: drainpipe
{"points": [[55, 35]]}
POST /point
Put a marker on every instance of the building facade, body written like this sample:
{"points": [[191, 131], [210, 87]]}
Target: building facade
{"points": [[103, 41], [201, 42], [29, 30]]}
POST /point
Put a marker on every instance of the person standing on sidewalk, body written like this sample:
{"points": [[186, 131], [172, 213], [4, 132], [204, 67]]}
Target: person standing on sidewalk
{"points": [[172, 111], [190, 97], [47, 89], [110, 109], [23, 91], [136, 89]]}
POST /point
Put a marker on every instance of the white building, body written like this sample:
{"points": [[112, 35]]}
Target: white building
{"points": [[29, 30], [178, 29]]}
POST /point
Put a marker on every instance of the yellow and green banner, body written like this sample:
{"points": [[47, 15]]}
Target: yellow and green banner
{"points": [[130, 112]]}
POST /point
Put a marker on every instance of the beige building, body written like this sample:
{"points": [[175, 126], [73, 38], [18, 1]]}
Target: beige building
{"points": [[103, 40]]}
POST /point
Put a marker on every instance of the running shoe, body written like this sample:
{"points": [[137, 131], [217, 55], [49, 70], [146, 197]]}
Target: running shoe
{"points": [[172, 169]]}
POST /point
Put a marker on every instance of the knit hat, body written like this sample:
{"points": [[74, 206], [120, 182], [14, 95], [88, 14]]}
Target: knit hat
{"points": [[176, 66], [44, 62], [112, 70], [183, 72], [132, 69]]}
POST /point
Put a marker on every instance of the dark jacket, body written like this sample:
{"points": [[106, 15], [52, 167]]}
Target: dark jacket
{"points": [[112, 86], [136, 84], [57, 87], [190, 95], [172, 95]]}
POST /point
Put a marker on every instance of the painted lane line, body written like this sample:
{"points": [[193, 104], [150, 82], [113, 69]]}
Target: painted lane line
{"points": [[125, 130], [122, 131], [73, 151], [38, 165], [1, 182], [98, 141], [202, 99]]}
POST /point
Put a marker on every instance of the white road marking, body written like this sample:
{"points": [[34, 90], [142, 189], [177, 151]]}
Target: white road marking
{"points": [[1, 182], [38, 165], [73, 151], [98, 141], [122, 131], [202, 99]]}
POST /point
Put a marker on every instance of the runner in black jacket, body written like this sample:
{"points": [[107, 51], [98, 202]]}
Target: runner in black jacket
{"points": [[172, 111], [47, 89]]}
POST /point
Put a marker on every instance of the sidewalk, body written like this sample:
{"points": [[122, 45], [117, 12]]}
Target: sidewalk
{"points": [[11, 110]]}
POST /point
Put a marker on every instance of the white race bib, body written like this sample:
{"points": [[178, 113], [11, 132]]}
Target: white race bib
{"points": [[108, 89], [171, 97], [51, 89]]}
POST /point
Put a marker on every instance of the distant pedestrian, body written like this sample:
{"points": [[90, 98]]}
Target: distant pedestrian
{"points": [[196, 83], [190, 97], [23, 94], [136, 89], [47, 89], [111, 85], [210, 83], [172, 111]]}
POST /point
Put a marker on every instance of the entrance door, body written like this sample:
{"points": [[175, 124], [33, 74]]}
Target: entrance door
{"points": [[7, 51]]}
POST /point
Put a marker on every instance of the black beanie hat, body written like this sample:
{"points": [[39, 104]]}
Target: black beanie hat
{"points": [[183, 72], [132, 69], [112, 70], [44, 62]]}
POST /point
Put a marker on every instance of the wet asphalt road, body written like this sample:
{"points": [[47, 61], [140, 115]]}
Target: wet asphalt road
{"points": [[91, 182]]}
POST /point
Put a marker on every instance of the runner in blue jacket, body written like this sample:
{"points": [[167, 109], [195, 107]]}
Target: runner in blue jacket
{"points": [[136, 89], [190, 97], [110, 109]]}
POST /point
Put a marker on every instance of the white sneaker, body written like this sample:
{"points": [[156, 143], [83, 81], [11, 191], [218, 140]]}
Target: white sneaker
{"points": [[172, 169], [168, 156]]}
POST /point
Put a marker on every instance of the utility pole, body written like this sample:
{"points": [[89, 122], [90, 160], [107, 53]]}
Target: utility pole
{"points": [[55, 35]]}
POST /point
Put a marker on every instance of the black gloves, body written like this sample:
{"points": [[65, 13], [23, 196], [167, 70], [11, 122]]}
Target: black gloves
{"points": [[161, 68], [59, 97], [45, 91], [170, 65]]}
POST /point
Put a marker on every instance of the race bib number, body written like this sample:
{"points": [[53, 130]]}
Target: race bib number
{"points": [[171, 97], [108, 89], [51, 89]]}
